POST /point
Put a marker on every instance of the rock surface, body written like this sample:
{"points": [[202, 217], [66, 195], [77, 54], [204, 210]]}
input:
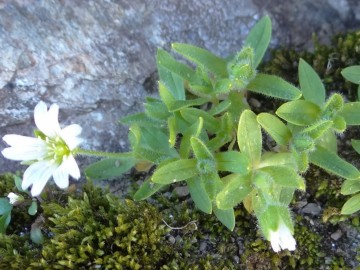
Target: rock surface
{"points": [[96, 59]]}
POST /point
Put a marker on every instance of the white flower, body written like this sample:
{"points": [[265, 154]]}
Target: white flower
{"points": [[50, 154], [14, 198], [282, 239]]}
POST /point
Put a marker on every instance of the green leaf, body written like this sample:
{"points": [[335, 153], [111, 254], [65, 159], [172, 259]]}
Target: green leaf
{"points": [[181, 104], [175, 171], [275, 127], [36, 235], [352, 74], [139, 118], [311, 85], [351, 113], [212, 183], [202, 57], [328, 141], [165, 60], [351, 206], [236, 189], [220, 108], [18, 183], [110, 167], [249, 136], [333, 105], [4, 222], [165, 95], [193, 131], [33, 208], [200, 149], [299, 112], [226, 217], [156, 110], [356, 145], [276, 159], [173, 82], [332, 163], [259, 39], [350, 186], [285, 177], [199, 195], [147, 189], [232, 161], [318, 129], [273, 86], [192, 115], [5, 206]]}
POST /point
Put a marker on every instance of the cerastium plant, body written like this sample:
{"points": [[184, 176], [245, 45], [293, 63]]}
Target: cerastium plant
{"points": [[202, 132]]}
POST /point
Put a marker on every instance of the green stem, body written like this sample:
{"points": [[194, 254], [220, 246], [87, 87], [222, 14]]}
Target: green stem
{"points": [[85, 152]]}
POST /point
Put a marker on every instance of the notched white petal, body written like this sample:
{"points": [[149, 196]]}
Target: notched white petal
{"points": [[18, 140], [37, 175], [47, 121], [25, 153], [61, 176], [71, 166]]}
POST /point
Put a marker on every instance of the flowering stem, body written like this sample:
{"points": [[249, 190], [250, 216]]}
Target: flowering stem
{"points": [[85, 152]]}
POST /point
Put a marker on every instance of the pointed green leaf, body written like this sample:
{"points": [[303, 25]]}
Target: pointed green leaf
{"points": [[193, 131], [236, 189], [156, 109], [356, 145], [200, 149], [275, 127], [165, 95], [350, 186], [351, 113], [5, 206], [139, 118], [274, 86], [212, 183], [166, 61], [259, 39], [332, 163], [147, 189], [220, 108], [181, 104], [249, 136], [173, 82], [4, 222], [352, 74], [175, 171], [202, 57], [351, 206], [110, 167], [318, 129], [285, 177], [299, 112], [226, 217], [311, 85], [192, 115], [232, 161], [328, 141], [276, 159], [199, 195], [339, 124], [333, 105]]}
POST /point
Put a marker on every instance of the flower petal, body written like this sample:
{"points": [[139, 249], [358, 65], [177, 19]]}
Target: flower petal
{"points": [[37, 175], [18, 140], [47, 121], [25, 153], [69, 135], [61, 176], [71, 166]]}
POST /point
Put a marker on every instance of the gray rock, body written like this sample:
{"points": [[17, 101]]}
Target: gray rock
{"points": [[95, 58], [312, 209], [181, 191]]}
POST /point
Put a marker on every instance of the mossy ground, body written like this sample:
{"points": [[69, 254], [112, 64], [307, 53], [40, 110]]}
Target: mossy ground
{"points": [[90, 228]]}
